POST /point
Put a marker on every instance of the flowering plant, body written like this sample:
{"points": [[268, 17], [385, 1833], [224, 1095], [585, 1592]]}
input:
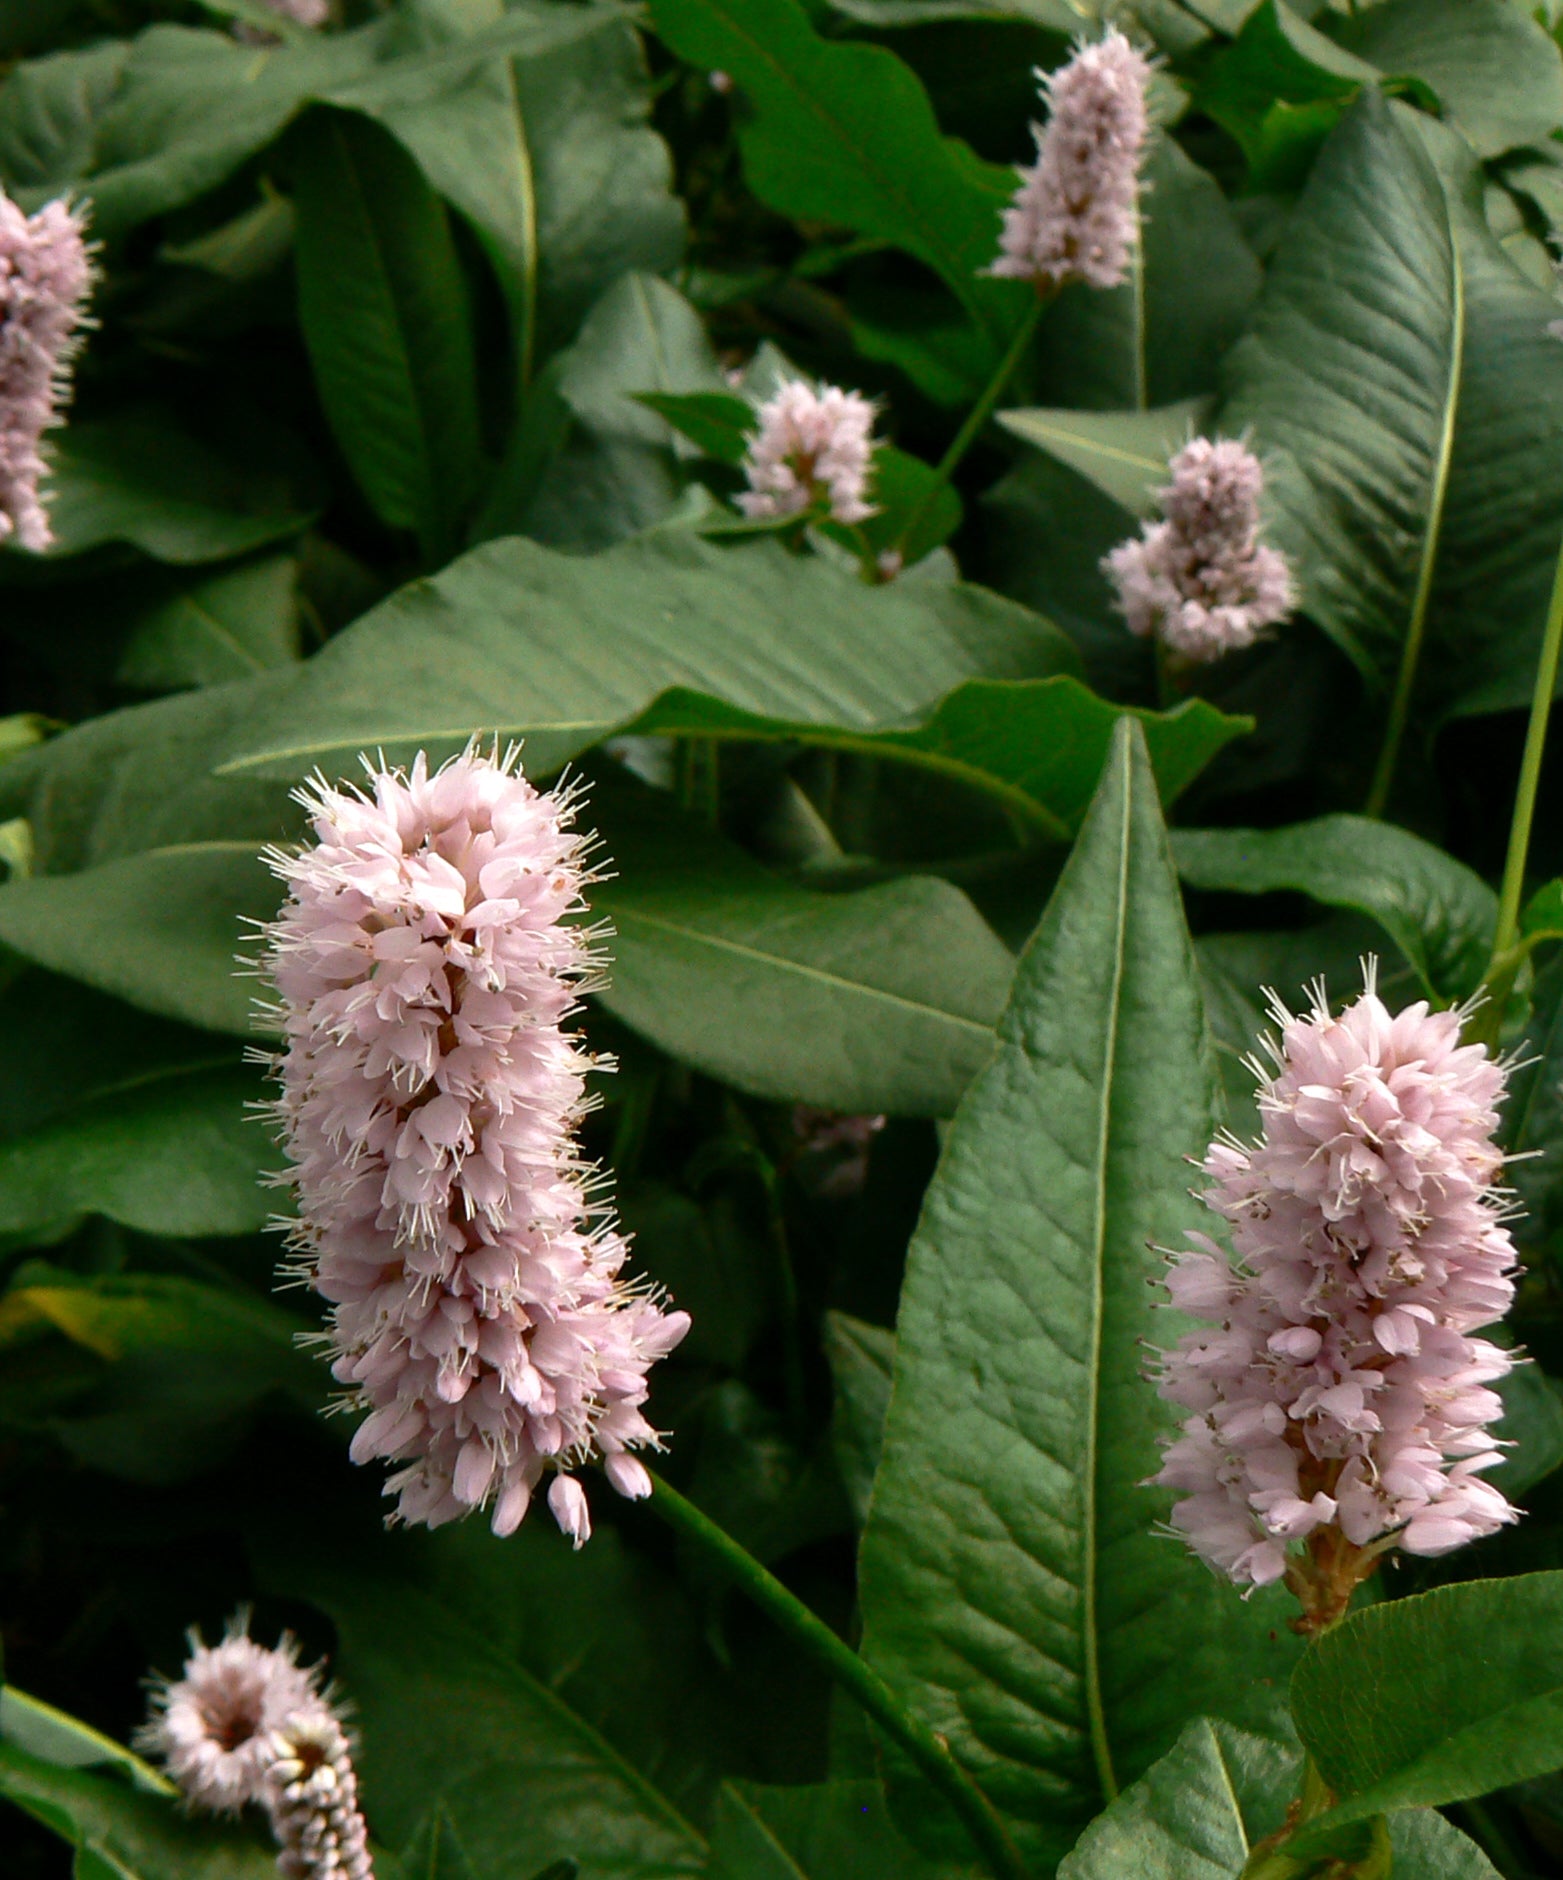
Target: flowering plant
{"points": [[781, 940]]}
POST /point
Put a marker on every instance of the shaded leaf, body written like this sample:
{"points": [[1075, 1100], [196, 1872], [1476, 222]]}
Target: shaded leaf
{"points": [[1124, 453], [861, 1359], [1013, 1588], [435, 1851], [1440, 913], [239, 622], [1533, 1117], [824, 1831]]}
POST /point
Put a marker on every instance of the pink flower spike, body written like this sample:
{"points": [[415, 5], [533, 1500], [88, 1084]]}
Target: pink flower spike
{"points": [[1337, 1401], [427, 960], [312, 1798], [812, 449], [1075, 216], [1201, 580], [209, 1727], [45, 278]]}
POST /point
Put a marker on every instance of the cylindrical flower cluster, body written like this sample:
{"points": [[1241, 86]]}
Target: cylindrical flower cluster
{"points": [[812, 449], [1201, 580], [1075, 216], [1337, 1402], [245, 1725], [45, 277], [427, 959]]}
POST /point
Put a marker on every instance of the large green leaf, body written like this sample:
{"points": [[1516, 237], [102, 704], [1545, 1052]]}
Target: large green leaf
{"points": [[843, 133], [1403, 387], [1435, 1698], [1497, 73], [1439, 913], [133, 1835], [160, 928], [230, 625], [862, 1358], [515, 638], [388, 323], [878, 1000], [1013, 1588], [522, 1778], [825, 1831], [1198, 1813]]}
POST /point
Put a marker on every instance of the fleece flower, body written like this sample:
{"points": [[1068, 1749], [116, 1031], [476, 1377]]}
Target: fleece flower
{"points": [[1337, 1402], [427, 960], [1075, 216], [45, 276], [1201, 580], [312, 1798], [812, 449]]}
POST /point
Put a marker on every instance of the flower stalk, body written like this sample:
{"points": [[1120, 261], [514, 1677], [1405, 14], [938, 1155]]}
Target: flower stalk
{"points": [[924, 1746]]}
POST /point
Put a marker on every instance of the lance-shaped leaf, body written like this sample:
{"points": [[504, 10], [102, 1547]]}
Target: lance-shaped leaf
{"points": [[1124, 453], [1013, 1588], [1403, 388]]}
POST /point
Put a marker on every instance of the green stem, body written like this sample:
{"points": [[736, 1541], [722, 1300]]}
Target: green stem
{"points": [[977, 417], [1530, 772], [922, 1745]]}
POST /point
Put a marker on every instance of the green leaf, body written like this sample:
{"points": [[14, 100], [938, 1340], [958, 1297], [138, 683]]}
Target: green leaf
{"points": [[879, 1000], [1497, 73], [1542, 917], [1124, 453], [861, 1359], [821, 1831], [1435, 1698], [183, 1366], [141, 478], [1013, 1588], [617, 471], [718, 423], [228, 626], [435, 1851], [176, 1153], [1533, 1422], [522, 1778], [1198, 1813], [1400, 368], [135, 1836], [55, 1737], [1280, 89], [842, 132], [159, 929], [516, 639], [388, 323], [1438, 912]]}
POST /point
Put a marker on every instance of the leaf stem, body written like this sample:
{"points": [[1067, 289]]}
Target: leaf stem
{"points": [[926, 1749], [977, 417], [1513, 888]]}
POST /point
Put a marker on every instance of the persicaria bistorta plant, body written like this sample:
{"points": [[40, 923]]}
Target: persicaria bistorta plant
{"points": [[1339, 1406], [1201, 580], [1075, 216], [427, 959], [813, 450], [45, 278]]}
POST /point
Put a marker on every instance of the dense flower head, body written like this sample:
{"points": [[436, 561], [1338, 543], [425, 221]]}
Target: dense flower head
{"points": [[312, 1797], [1336, 1398], [1075, 216], [211, 1727], [45, 277], [811, 449], [427, 960], [1201, 580]]}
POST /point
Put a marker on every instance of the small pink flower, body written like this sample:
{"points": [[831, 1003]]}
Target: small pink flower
{"points": [[1201, 580], [812, 448], [1075, 216], [427, 960], [210, 1727], [312, 1798], [45, 277], [1336, 1397]]}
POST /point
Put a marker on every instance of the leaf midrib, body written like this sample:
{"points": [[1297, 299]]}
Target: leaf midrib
{"points": [[1101, 1749]]}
